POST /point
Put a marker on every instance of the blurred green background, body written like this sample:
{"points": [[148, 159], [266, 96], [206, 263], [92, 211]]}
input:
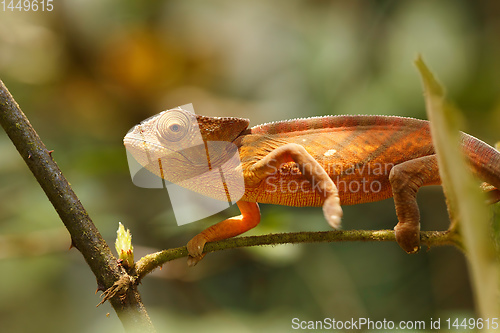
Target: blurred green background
{"points": [[88, 71]]}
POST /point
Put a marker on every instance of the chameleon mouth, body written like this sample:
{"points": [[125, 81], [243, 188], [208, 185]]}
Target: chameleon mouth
{"points": [[175, 166], [182, 165]]}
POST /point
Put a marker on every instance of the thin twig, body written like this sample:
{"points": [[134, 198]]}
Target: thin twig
{"points": [[430, 238]]}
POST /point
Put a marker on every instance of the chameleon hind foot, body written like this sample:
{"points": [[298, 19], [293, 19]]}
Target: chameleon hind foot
{"points": [[406, 178], [408, 237]]}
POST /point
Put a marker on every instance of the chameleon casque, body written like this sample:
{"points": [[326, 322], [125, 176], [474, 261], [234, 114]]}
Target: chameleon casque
{"points": [[321, 161]]}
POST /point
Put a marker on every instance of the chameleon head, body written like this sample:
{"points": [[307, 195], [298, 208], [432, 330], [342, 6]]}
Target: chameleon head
{"points": [[173, 144], [164, 133], [176, 130]]}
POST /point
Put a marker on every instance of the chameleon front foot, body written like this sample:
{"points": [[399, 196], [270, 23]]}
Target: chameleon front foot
{"points": [[233, 226], [333, 211], [195, 249]]}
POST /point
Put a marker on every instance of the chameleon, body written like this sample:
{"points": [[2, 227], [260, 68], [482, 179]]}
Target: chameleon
{"points": [[325, 161]]}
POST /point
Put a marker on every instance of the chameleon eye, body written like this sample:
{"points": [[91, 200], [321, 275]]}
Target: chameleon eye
{"points": [[173, 125]]}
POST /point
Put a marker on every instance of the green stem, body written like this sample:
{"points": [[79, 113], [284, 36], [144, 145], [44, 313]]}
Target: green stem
{"points": [[430, 238]]}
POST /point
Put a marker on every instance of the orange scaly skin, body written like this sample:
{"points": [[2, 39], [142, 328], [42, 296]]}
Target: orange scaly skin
{"points": [[328, 161], [357, 148]]}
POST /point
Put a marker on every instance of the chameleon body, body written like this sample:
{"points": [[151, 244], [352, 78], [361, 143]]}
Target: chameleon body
{"points": [[321, 161]]}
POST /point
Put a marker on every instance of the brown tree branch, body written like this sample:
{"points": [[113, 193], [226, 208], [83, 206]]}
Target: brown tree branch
{"points": [[84, 235]]}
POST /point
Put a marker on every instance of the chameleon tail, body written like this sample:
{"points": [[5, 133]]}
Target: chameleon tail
{"points": [[485, 163]]}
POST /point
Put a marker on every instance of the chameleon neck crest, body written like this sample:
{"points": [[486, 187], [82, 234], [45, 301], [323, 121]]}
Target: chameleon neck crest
{"points": [[221, 128]]}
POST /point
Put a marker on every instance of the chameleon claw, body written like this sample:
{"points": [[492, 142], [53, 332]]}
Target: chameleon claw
{"points": [[333, 211], [334, 222], [192, 261], [195, 249], [195, 245], [408, 237]]}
